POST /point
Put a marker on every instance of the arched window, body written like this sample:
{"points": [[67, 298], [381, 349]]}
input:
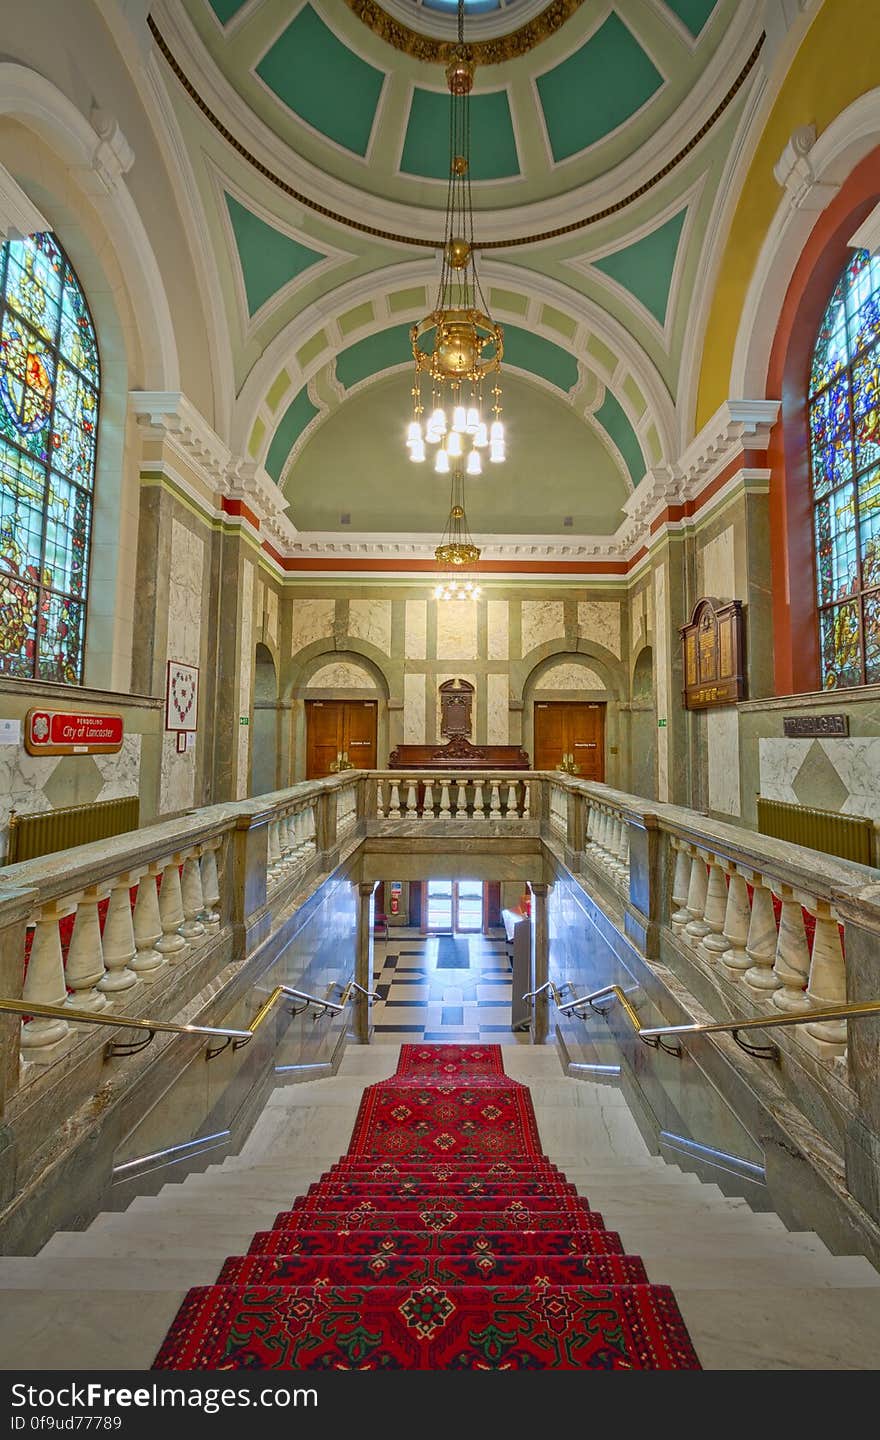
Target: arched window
{"points": [[845, 471], [49, 388]]}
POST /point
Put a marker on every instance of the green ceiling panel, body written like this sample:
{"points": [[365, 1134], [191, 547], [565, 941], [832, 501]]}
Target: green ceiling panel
{"points": [[645, 268], [375, 353], [268, 258], [692, 13], [541, 357], [596, 89], [225, 9], [613, 418], [426, 146], [299, 413], [298, 69]]}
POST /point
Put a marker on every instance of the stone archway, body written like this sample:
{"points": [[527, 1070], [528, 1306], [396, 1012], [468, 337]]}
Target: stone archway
{"points": [[339, 675], [264, 740], [643, 728]]}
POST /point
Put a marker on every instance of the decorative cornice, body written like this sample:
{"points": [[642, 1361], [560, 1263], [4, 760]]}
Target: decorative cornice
{"points": [[795, 172], [436, 51], [737, 426]]}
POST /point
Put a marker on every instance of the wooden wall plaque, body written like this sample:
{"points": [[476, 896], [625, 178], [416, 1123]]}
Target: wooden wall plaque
{"points": [[713, 655], [456, 704]]}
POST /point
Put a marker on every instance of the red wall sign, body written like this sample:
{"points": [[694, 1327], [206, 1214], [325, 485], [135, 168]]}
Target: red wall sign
{"points": [[72, 732]]}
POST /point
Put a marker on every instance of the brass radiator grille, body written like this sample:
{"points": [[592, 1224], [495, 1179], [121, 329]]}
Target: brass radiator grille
{"points": [[50, 830], [848, 836]]}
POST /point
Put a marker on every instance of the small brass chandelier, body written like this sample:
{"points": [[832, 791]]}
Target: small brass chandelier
{"points": [[458, 348], [457, 551]]}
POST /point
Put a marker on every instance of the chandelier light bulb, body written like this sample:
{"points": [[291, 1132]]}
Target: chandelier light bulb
{"points": [[438, 421], [496, 454], [414, 433], [472, 420], [459, 418], [474, 464], [417, 451], [441, 463], [453, 445], [481, 436], [496, 433]]}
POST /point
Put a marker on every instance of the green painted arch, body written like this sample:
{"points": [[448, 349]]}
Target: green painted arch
{"points": [[268, 259], [297, 68], [225, 10], [596, 89], [692, 13], [645, 268], [615, 422], [299, 414]]}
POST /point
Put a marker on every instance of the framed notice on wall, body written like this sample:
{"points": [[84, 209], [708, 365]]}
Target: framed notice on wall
{"points": [[713, 655], [181, 696]]}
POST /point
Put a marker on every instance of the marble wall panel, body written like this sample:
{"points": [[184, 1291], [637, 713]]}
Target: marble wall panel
{"points": [[311, 620], [271, 613], [121, 773], [177, 772], [244, 684], [414, 710], [370, 620], [830, 774], [416, 634], [661, 672], [342, 675], [716, 570], [22, 778], [599, 620], [457, 630], [542, 621], [722, 729], [441, 680], [498, 629], [857, 762], [779, 761], [497, 711], [565, 676]]}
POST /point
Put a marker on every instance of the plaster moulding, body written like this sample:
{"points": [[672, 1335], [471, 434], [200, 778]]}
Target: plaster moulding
{"points": [[113, 156], [796, 173], [19, 217], [328, 546], [736, 426]]}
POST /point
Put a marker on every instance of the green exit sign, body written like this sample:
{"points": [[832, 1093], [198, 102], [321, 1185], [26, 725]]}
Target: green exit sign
{"points": [[661, 724], [246, 720]]}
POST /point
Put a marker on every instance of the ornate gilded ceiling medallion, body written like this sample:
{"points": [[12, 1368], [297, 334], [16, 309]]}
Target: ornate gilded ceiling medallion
{"points": [[493, 51]]}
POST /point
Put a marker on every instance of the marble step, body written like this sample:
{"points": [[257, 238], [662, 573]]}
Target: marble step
{"points": [[790, 1329], [85, 1330]]}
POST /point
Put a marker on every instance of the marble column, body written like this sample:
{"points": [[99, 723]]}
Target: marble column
{"points": [[363, 964], [540, 961]]}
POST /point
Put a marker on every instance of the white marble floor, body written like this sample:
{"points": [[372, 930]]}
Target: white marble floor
{"points": [[426, 995]]}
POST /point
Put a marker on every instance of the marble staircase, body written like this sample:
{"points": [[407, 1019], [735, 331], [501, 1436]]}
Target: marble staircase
{"points": [[753, 1294]]}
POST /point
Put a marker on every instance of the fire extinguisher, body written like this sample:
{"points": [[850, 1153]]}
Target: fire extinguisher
{"points": [[395, 902]]}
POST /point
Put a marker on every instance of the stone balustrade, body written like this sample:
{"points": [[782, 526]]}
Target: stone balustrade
{"points": [[426, 796]]}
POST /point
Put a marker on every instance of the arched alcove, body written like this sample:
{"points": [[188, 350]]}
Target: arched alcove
{"points": [[567, 677], [264, 741], [643, 728]]}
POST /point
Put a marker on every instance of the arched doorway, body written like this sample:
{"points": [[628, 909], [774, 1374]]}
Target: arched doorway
{"points": [[569, 721], [264, 741], [643, 729]]}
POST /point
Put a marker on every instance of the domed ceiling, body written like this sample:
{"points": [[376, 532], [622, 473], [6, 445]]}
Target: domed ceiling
{"points": [[317, 137]]}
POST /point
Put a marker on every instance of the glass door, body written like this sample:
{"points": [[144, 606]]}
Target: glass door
{"points": [[439, 907], [468, 906]]}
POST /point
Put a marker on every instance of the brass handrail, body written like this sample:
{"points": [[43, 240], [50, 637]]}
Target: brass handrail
{"points": [[236, 1038], [655, 1036], [557, 994]]}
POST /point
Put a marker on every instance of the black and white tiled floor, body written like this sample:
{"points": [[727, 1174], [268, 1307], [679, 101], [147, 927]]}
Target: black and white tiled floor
{"points": [[420, 1002]]}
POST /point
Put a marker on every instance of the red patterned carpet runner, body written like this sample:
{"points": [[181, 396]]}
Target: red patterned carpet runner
{"points": [[443, 1240]]}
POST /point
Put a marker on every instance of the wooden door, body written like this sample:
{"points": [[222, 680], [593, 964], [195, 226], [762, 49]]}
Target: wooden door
{"points": [[334, 726], [571, 727]]}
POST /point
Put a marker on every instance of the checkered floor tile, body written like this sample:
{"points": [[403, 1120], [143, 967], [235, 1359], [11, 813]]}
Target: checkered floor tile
{"points": [[420, 1002]]}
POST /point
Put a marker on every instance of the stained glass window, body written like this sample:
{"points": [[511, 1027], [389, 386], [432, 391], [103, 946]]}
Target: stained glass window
{"points": [[49, 389], [845, 471]]}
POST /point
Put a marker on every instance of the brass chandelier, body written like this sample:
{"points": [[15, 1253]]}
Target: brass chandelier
{"points": [[458, 348], [457, 551]]}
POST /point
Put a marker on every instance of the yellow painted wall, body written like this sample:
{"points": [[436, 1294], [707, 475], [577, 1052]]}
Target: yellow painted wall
{"points": [[838, 61]]}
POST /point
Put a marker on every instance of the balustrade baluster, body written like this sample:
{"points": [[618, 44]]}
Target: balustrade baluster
{"points": [[696, 900], [43, 1040], [428, 801], [623, 848], [412, 807], [118, 941], [149, 962], [273, 851], [792, 964], [445, 812], [761, 944], [479, 811], [680, 884], [311, 845], [737, 919], [380, 800], [494, 801], [461, 801], [172, 945], [394, 810], [527, 800], [713, 944], [827, 984], [210, 886], [590, 830], [512, 806], [193, 902], [85, 957]]}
